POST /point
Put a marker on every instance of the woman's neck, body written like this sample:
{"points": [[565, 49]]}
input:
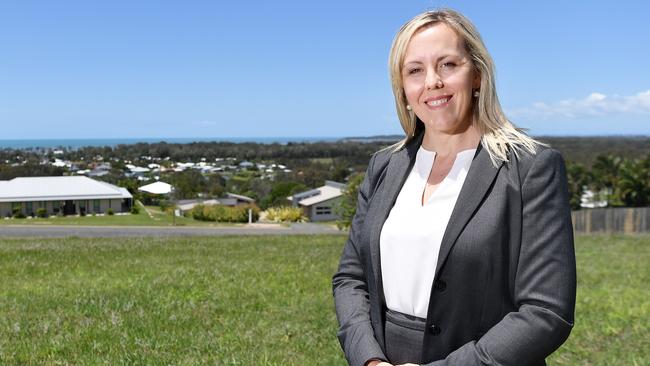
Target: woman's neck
{"points": [[451, 144]]}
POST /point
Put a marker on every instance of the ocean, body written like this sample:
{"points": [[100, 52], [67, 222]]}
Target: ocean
{"points": [[77, 143]]}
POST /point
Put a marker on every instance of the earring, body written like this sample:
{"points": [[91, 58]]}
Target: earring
{"points": [[476, 93], [408, 107]]}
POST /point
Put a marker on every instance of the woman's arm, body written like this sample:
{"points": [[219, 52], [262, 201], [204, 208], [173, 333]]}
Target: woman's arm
{"points": [[545, 283], [351, 290]]}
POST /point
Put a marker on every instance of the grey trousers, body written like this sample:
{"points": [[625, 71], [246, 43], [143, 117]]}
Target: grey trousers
{"points": [[404, 336]]}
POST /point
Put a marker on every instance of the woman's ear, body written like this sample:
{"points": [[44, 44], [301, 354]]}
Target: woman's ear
{"points": [[476, 83]]}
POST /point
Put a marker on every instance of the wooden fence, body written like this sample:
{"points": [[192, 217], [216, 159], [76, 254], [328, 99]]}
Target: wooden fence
{"points": [[612, 220]]}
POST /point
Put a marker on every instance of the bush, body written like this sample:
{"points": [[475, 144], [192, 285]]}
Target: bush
{"points": [[19, 214], [224, 214], [135, 209], [164, 205], [110, 212], [41, 212], [285, 214]]}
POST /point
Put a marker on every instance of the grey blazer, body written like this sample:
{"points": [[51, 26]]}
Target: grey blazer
{"points": [[505, 282]]}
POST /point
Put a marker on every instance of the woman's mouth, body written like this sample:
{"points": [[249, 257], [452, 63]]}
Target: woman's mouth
{"points": [[439, 102]]}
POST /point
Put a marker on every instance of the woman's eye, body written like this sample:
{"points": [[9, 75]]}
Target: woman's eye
{"points": [[447, 65], [414, 71]]}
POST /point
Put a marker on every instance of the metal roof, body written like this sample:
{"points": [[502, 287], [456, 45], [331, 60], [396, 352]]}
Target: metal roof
{"points": [[25, 189], [326, 193], [157, 188]]}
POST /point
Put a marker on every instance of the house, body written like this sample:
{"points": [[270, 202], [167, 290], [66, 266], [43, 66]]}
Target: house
{"points": [[68, 195], [320, 204], [230, 200], [591, 199]]}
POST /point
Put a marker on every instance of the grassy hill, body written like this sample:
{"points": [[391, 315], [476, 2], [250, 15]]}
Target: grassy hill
{"points": [[252, 300]]}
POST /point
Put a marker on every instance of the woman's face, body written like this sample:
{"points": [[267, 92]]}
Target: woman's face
{"points": [[439, 79]]}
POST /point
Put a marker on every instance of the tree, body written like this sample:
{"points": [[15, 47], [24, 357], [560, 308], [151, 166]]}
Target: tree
{"points": [[279, 193], [634, 182], [605, 174], [578, 178], [348, 207]]}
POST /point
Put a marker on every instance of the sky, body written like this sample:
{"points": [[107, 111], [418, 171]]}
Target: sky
{"points": [[129, 69]]}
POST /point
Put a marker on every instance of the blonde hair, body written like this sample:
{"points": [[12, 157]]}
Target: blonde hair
{"points": [[497, 132]]}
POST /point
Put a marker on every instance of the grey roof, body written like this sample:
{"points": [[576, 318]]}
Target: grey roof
{"points": [[239, 197], [58, 188], [327, 192]]}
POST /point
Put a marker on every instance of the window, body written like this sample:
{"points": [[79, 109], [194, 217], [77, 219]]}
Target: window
{"points": [[323, 210], [96, 205], [29, 208]]}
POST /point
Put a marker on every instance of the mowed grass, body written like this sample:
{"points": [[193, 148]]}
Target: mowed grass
{"points": [[251, 300], [151, 216]]}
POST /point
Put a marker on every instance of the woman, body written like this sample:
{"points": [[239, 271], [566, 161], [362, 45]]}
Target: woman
{"points": [[461, 250]]}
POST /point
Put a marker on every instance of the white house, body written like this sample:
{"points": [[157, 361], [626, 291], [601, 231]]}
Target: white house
{"points": [[69, 195], [320, 204]]}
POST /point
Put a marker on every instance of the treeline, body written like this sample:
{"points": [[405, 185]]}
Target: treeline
{"points": [[621, 182], [581, 150]]}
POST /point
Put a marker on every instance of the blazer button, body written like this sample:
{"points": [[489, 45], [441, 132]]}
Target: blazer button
{"points": [[434, 329], [440, 285]]}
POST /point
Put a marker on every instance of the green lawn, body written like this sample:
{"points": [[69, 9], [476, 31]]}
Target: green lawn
{"points": [[149, 216], [251, 300]]}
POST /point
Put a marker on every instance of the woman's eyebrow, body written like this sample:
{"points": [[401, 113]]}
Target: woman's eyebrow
{"points": [[442, 56]]}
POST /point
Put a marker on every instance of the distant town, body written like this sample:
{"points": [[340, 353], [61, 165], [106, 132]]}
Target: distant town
{"points": [[310, 178]]}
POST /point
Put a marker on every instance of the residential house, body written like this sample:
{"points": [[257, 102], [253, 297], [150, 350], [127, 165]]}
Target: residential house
{"points": [[320, 204], [68, 195]]}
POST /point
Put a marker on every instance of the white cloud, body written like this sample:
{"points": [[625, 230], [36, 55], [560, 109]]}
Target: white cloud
{"points": [[595, 104]]}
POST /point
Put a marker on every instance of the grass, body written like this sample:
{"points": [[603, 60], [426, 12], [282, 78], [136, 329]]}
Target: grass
{"points": [[154, 217], [251, 300]]}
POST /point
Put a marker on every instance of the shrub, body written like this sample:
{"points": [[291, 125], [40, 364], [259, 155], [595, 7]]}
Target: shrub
{"points": [[285, 214], [41, 212], [164, 205], [110, 212], [18, 214], [223, 213], [135, 209]]}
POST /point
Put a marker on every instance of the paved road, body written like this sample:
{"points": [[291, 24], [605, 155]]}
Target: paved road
{"points": [[117, 231]]}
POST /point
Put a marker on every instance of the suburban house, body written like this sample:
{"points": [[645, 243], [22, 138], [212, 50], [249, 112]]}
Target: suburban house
{"points": [[230, 200], [68, 195], [320, 204]]}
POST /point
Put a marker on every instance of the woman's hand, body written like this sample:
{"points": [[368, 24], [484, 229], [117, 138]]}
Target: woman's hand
{"points": [[378, 363]]}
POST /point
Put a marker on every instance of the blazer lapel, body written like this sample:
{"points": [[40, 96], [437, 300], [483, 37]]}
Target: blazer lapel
{"points": [[478, 181], [399, 166]]}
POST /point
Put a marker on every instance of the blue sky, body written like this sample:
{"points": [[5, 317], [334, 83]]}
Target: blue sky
{"points": [[128, 69]]}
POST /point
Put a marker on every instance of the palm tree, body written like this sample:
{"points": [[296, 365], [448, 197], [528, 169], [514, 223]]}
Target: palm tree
{"points": [[605, 172], [634, 182], [578, 178]]}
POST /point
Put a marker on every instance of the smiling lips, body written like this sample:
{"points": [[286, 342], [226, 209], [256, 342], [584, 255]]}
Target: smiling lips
{"points": [[438, 102]]}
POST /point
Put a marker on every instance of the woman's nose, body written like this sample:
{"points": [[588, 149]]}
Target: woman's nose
{"points": [[432, 80]]}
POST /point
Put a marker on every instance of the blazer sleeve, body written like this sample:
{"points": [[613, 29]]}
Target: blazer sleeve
{"points": [[545, 283], [350, 289]]}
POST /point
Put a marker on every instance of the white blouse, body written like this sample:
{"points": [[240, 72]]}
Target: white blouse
{"points": [[411, 236]]}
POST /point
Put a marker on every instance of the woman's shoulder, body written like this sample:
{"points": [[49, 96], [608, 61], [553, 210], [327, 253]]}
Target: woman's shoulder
{"points": [[543, 158]]}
